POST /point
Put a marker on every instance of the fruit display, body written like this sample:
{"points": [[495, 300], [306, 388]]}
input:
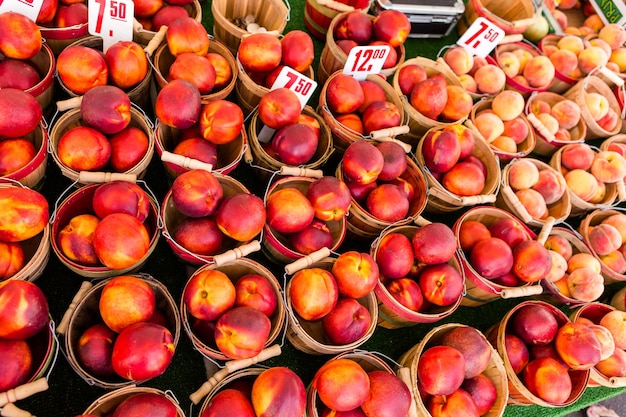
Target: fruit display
{"points": [[376, 212]]}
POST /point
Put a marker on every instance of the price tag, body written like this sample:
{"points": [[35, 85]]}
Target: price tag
{"points": [[112, 20], [28, 8], [610, 11], [481, 37], [364, 60], [300, 84]]}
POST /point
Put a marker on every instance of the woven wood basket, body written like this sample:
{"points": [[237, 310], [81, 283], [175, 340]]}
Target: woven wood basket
{"points": [[480, 290], [317, 16], [519, 394], [84, 312], [308, 336], [546, 144], [392, 314], [234, 270], [143, 36], [558, 211], [513, 18], [590, 220], [45, 63], [106, 404], [60, 38], [33, 174], [495, 370], [241, 377]]}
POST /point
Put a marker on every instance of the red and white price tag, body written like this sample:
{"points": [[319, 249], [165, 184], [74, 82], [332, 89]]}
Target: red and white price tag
{"points": [[364, 60], [481, 37], [300, 84], [28, 8], [112, 20]]}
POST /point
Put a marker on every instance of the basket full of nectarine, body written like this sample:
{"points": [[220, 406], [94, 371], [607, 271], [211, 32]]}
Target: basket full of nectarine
{"points": [[233, 311], [130, 400], [121, 330], [455, 367], [150, 19], [420, 275], [317, 16], [603, 230]]}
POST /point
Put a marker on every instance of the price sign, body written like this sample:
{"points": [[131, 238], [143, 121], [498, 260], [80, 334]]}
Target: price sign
{"points": [[364, 60], [300, 84], [112, 20], [28, 8], [481, 37]]}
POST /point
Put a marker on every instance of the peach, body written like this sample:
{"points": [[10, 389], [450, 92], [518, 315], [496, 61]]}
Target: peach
{"points": [[199, 235], [489, 125], [583, 260], [81, 68], [330, 198], [372, 92], [549, 122], [508, 104], [458, 105], [242, 332], [198, 148], [385, 114], [566, 112], [561, 286], [15, 153], [473, 346], [615, 321], [354, 26], [147, 8], [608, 166], [510, 64], [221, 121], [571, 43], [533, 202], [615, 261], [504, 144], [490, 79], [76, 239], [535, 324], [408, 76], [329, 383], [577, 156], [613, 34], [510, 230], [314, 293], [197, 193], [315, 236], [548, 369], [539, 71], [605, 337], [187, 35], [522, 174], [17, 363], [538, 106], [578, 346], [459, 60], [558, 268], [600, 194], [565, 62], [20, 36], [21, 115], [11, 259], [126, 300], [441, 150], [609, 121], [464, 179], [460, 401], [344, 94], [347, 322], [429, 97], [618, 220], [223, 70], [24, 214], [127, 63], [297, 50], [581, 183], [604, 238], [208, 294], [592, 57], [531, 261], [121, 241], [517, 129], [585, 284], [613, 366], [618, 57], [597, 104], [559, 244], [551, 185], [469, 83], [75, 14], [523, 55], [441, 370], [121, 197]]}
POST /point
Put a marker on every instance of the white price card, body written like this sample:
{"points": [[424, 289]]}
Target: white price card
{"points": [[481, 37], [364, 60], [112, 20], [28, 8], [300, 84]]}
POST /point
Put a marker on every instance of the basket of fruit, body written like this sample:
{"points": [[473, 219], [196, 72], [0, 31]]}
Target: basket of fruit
{"points": [[149, 21], [534, 192], [243, 315], [420, 275], [556, 378], [455, 363], [131, 400], [603, 230], [556, 121], [113, 325], [319, 14], [564, 50], [468, 174], [330, 302], [304, 214], [64, 25]]}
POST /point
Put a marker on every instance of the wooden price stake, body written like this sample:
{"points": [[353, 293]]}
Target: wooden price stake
{"points": [[365, 60], [112, 20], [29, 8], [481, 37]]}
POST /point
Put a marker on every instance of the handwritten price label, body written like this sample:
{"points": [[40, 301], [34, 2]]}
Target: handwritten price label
{"points": [[28, 8], [112, 20], [300, 84], [364, 60], [481, 37]]}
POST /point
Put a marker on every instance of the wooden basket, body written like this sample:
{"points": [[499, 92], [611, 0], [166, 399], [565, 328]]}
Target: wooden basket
{"points": [[72, 118], [577, 93], [107, 403], [268, 163], [513, 17], [343, 136], [80, 202], [143, 36], [333, 58], [139, 94], [392, 314], [228, 154], [562, 82], [594, 311], [317, 17], [33, 174], [558, 211], [364, 226], [440, 200], [480, 290], [418, 123], [163, 60], [45, 63], [241, 377], [518, 392], [495, 370], [84, 312], [592, 219], [546, 144], [523, 149], [275, 245], [60, 38], [270, 14], [234, 270], [581, 207], [171, 218]]}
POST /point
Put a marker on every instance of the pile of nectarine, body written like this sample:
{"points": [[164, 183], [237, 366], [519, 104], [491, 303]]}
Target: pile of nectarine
{"points": [[152, 14], [477, 75]]}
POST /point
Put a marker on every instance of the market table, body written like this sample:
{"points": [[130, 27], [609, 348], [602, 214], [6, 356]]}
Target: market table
{"points": [[69, 395]]}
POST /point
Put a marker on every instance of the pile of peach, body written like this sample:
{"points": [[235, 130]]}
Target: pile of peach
{"points": [[344, 386], [561, 117], [23, 315], [502, 124], [535, 188], [332, 296], [587, 171], [24, 216], [230, 315], [373, 174], [525, 67], [115, 235], [451, 374], [606, 239], [417, 270], [576, 274], [476, 74], [448, 153], [130, 329]]}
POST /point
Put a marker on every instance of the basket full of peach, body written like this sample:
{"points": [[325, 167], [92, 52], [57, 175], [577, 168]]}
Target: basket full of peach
{"points": [[603, 231]]}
